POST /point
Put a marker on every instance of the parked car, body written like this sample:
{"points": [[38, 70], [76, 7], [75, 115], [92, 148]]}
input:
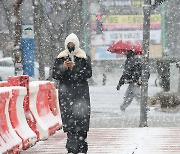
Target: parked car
{"points": [[7, 69]]}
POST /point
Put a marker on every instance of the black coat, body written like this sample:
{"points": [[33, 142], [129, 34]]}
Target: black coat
{"points": [[74, 96], [132, 70]]}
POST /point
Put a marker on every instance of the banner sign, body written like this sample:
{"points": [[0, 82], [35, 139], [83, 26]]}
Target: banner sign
{"points": [[114, 22], [112, 36], [137, 2], [130, 19], [108, 3], [115, 3], [101, 53]]}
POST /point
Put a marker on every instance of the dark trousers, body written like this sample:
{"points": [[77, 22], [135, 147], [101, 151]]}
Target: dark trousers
{"points": [[76, 142]]}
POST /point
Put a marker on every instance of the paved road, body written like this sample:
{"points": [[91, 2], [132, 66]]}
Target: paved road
{"points": [[117, 141]]}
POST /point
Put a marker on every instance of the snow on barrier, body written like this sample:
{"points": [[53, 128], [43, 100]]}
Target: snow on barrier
{"points": [[9, 140], [3, 84], [47, 123], [3, 148], [23, 81], [18, 119], [54, 102]]}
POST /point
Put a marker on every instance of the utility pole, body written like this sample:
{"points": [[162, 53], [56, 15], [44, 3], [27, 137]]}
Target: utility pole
{"points": [[148, 6], [145, 63], [163, 29]]}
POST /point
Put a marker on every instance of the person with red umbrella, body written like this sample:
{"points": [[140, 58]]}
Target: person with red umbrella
{"points": [[132, 76], [121, 46]]}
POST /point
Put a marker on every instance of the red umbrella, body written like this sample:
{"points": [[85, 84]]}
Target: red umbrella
{"points": [[121, 46]]}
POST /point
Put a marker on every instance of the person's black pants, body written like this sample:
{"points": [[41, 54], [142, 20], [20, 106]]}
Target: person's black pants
{"points": [[76, 142]]}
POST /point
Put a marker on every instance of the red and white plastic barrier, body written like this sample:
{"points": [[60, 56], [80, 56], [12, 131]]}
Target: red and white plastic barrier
{"points": [[54, 102], [9, 140], [3, 84], [24, 82], [47, 123], [18, 119], [29, 112]]}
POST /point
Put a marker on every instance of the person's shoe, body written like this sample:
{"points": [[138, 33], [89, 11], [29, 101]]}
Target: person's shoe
{"points": [[78, 153], [122, 109], [148, 109]]}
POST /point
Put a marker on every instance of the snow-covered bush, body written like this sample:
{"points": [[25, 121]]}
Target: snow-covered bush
{"points": [[165, 100]]}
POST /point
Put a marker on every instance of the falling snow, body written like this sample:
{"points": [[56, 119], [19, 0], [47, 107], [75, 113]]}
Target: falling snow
{"points": [[38, 29]]}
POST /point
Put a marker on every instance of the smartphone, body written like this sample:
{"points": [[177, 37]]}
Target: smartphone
{"points": [[69, 59]]}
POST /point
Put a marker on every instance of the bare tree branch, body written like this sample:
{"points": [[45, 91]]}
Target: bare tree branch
{"points": [[8, 19]]}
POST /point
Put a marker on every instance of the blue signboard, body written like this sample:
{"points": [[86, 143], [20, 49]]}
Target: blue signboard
{"points": [[27, 45]]}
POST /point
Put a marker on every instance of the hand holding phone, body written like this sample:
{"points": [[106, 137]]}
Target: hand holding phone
{"points": [[68, 64]]}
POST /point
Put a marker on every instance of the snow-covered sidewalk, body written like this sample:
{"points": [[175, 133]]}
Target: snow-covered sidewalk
{"points": [[106, 100]]}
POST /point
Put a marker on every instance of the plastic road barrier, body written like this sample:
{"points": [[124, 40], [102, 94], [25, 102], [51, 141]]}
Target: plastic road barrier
{"points": [[18, 119], [23, 81], [47, 123], [9, 140], [54, 102]]}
